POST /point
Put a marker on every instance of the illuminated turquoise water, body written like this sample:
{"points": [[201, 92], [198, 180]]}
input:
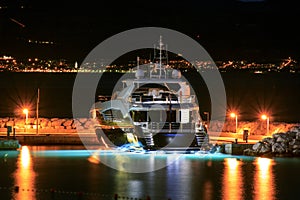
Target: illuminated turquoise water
{"points": [[67, 172]]}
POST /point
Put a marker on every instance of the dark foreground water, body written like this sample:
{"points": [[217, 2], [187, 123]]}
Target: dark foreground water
{"points": [[248, 93], [66, 172]]}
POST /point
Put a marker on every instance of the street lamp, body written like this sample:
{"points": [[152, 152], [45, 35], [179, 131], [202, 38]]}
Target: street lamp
{"points": [[266, 117], [207, 118], [25, 111], [233, 115]]}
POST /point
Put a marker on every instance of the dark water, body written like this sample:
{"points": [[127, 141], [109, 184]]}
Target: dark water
{"points": [[66, 172], [250, 94]]}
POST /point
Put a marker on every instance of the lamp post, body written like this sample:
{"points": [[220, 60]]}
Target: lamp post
{"points": [[207, 118], [267, 118], [233, 115], [25, 111]]}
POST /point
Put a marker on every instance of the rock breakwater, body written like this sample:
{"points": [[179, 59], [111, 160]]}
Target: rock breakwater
{"points": [[47, 124], [280, 144]]}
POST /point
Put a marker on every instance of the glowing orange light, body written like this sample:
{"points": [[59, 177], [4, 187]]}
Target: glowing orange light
{"points": [[25, 111], [264, 117], [232, 115]]}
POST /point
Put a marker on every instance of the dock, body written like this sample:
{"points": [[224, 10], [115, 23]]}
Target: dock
{"points": [[236, 149], [9, 144], [51, 139], [227, 141]]}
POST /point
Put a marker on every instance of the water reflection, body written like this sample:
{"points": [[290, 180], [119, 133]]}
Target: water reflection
{"points": [[208, 190], [25, 176], [232, 179], [264, 186], [178, 178], [133, 162]]}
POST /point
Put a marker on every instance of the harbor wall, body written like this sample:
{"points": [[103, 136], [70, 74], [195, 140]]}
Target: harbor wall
{"points": [[47, 125], [61, 139], [65, 125], [258, 127]]}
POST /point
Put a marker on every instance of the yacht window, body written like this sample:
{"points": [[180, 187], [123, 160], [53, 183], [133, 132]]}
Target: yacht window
{"points": [[139, 116]]}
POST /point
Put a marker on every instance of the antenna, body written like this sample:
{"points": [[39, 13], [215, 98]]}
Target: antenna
{"points": [[160, 48], [160, 66], [37, 111]]}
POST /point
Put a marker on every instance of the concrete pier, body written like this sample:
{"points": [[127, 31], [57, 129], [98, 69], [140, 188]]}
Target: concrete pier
{"points": [[9, 144], [52, 139], [236, 149], [57, 139]]}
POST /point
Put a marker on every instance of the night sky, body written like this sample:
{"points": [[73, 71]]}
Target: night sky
{"points": [[227, 29]]}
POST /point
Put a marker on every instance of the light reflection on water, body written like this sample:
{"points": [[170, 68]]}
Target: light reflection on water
{"points": [[25, 176], [264, 187], [232, 179], [239, 177]]}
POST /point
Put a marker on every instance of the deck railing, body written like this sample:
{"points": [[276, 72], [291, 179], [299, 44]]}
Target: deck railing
{"points": [[170, 126], [166, 99]]}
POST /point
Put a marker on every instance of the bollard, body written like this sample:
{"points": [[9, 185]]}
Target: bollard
{"points": [[116, 197], [9, 130], [16, 189], [79, 194], [14, 133], [52, 192]]}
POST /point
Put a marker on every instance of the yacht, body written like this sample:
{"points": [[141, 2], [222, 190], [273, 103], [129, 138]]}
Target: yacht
{"points": [[154, 109]]}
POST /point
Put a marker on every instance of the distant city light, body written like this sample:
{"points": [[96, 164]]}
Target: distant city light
{"points": [[8, 63]]}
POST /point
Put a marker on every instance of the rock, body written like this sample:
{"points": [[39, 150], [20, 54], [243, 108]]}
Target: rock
{"points": [[54, 119], [89, 124], [261, 148], [68, 122], [73, 125], [295, 129], [280, 137], [265, 148], [298, 135], [82, 120], [256, 147], [292, 134], [45, 124], [68, 127], [268, 140], [19, 122], [249, 152], [76, 123], [279, 147], [296, 152], [79, 127], [31, 120], [57, 122], [296, 146], [59, 127]]}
